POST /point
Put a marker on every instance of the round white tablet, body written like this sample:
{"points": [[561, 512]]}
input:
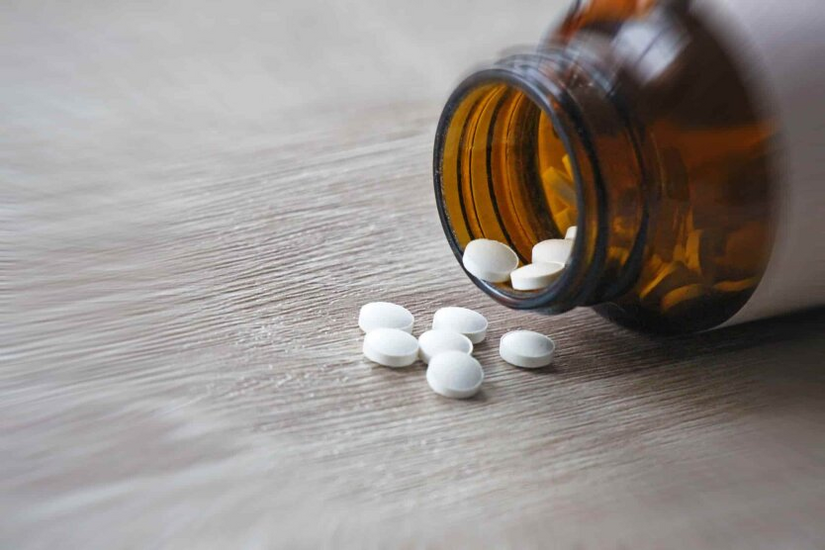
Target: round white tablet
{"points": [[489, 260], [455, 374], [471, 324], [571, 233], [384, 315], [527, 349], [535, 276], [391, 347], [433, 342], [552, 251]]}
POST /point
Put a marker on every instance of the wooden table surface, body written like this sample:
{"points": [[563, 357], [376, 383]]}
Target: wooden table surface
{"points": [[196, 199]]}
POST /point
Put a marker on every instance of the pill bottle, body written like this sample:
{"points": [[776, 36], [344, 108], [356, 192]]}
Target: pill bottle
{"points": [[685, 141]]}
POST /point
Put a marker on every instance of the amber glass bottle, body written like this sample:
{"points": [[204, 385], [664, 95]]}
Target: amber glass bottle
{"points": [[659, 129]]}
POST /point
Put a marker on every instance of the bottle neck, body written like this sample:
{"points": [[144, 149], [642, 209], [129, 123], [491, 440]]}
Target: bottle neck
{"points": [[531, 145]]}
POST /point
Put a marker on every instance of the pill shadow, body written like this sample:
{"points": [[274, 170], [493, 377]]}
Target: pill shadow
{"points": [[541, 371], [480, 397]]}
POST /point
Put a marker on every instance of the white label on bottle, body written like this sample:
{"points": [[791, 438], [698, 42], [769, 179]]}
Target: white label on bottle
{"points": [[781, 48]]}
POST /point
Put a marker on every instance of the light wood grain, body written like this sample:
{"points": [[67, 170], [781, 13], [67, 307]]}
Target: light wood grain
{"points": [[196, 199]]}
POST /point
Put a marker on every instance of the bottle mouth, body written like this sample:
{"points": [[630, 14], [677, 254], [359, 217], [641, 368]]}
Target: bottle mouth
{"points": [[511, 165]]}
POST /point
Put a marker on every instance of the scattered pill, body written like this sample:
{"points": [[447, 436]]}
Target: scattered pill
{"points": [[384, 315], [535, 276], [527, 349], [455, 374], [570, 233], [489, 260], [471, 324], [391, 347], [436, 341], [552, 251]]}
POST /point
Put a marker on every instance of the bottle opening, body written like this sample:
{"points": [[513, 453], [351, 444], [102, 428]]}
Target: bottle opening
{"points": [[504, 168], [505, 171]]}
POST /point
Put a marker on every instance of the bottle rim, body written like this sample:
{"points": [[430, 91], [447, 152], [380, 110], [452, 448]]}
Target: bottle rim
{"points": [[579, 281]]}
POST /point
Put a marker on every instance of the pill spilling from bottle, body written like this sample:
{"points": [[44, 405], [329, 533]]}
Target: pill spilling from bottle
{"points": [[535, 276], [447, 347], [490, 260], [495, 262]]}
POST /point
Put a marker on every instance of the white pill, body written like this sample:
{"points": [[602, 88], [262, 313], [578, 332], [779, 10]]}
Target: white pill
{"points": [[391, 347], [526, 349], [433, 342], [552, 251], [471, 324], [535, 276], [489, 260], [571, 233], [384, 315], [455, 374]]}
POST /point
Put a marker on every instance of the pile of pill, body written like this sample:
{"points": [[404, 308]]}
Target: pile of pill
{"points": [[447, 347], [495, 262]]}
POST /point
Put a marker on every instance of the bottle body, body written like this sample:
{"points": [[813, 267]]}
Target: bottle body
{"points": [[635, 123]]}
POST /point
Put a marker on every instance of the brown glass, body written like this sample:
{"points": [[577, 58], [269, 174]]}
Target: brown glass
{"points": [[632, 123]]}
